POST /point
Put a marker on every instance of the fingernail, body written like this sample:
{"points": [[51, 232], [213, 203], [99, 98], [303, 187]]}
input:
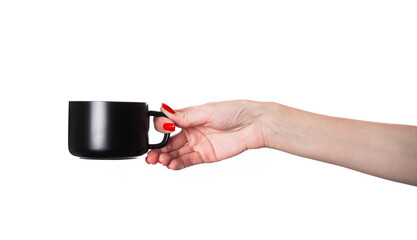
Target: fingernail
{"points": [[166, 107], [169, 126]]}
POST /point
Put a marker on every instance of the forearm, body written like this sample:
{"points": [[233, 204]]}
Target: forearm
{"points": [[384, 150]]}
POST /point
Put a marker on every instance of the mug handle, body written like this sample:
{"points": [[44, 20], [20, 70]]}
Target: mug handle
{"points": [[166, 135]]}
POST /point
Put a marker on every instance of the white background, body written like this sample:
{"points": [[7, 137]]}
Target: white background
{"points": [[354, 59]]}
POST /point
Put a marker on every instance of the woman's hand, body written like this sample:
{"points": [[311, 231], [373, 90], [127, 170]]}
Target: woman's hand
{"points": [[210, 133], [216, 131]]}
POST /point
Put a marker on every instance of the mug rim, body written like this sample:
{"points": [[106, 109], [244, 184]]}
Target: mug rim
{"points": [[144, 103]]}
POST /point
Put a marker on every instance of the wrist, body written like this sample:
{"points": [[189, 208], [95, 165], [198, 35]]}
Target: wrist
{"points": [[267, 121], [263, 119], [270, 123]]}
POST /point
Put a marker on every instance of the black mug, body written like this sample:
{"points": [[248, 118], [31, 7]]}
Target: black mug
{"points": [[110, 130]]}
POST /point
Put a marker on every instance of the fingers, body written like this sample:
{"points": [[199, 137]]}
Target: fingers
{"points": [[164, 125], [185, 160], [188, 117], [165, 158], [177, 154], [174, 143], [176, 160], [153, 156]]}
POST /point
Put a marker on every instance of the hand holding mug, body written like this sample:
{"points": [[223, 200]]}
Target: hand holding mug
{"points": [[210, 133]]}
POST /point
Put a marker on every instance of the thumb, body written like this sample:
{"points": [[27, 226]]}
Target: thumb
{"points": [[187, 117]]}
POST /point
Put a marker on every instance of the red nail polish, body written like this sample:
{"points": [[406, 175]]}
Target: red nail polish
{"points": [[169, 126], [166, 107]]}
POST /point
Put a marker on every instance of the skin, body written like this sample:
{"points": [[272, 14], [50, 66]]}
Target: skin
{"points": [[217, 131]]}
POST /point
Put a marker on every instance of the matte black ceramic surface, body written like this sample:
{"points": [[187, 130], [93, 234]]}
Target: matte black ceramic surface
{"points": [[110, 129]]}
